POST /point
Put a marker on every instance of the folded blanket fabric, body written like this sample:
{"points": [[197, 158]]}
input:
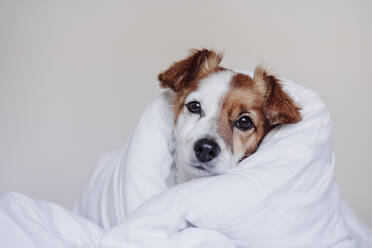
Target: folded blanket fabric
{"points": [[283, 195], [29, 223]]}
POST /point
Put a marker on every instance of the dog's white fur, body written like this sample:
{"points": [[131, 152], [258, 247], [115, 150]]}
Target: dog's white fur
{"points": [[192, 127]]}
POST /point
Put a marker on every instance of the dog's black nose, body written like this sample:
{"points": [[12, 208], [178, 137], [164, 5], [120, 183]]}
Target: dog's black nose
{"points": [[206, 150]]}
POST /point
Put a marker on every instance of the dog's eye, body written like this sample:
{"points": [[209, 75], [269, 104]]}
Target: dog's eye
{"points": [[244, 123], [194, 107]]}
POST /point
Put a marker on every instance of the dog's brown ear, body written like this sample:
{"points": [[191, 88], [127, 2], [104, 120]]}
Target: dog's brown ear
{"points": [[181, 73], [279, 107]]}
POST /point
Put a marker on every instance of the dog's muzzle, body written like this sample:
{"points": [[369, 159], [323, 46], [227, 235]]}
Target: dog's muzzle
{"points": [[206, 150]]}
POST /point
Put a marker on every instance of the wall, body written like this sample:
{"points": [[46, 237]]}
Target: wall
{"points": [[75, 76]]}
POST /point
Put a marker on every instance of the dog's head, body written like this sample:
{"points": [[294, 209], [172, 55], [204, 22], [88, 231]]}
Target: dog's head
{"points": [[221, 116]]}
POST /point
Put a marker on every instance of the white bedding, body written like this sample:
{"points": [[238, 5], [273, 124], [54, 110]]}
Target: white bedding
{"points": [[282, 196]]}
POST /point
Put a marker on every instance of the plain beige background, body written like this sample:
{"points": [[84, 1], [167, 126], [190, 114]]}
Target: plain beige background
{"points": [[75, 76]]}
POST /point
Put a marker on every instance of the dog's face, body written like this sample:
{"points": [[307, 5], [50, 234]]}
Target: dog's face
{"points": [[222, 116]]}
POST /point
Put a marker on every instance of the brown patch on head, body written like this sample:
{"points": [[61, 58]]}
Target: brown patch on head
{"points": [[184, 76], [244, 98], [263, 101]]}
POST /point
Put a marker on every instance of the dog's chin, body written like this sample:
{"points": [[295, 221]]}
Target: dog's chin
{"points": [[201, 170], [189, 169]]}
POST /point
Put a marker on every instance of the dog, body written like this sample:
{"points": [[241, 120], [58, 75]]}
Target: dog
{"points": [[221, 116]]}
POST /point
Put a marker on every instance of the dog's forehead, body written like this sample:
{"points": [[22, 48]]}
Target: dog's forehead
{"points": [[212, 90]]}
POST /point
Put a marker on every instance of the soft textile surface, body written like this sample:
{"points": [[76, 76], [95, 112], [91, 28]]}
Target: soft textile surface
{"points": [[28, 223], [282, 196]]}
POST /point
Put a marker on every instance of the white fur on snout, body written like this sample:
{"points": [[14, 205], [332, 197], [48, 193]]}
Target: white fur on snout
{"points": [[191, 127]]}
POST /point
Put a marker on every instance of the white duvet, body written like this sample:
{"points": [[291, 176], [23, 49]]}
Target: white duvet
{"points": [[284, 195]]}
